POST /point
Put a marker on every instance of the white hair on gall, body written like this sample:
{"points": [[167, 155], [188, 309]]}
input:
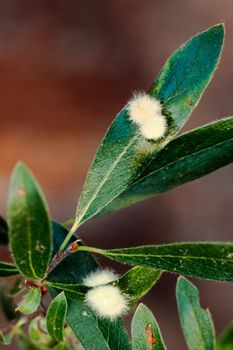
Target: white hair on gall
{"points": [[146, 112], [107, 301], [99, 277]]}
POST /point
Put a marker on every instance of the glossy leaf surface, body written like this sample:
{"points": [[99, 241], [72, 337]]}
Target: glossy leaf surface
{"points": [[29, 224]]}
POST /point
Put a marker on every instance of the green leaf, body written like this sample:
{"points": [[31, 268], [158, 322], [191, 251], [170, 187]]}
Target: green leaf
{"points": [[73, 291], [56, 316], [212, 261], [184, 159], [225, 342], [7, 269], [187, 72], [135, 283], [138, 281], [3, 232], [124, 153], [31, 302], [196, 323], [95, 333], [145, 331], [5, 339], [92, 332], [29, 224]]}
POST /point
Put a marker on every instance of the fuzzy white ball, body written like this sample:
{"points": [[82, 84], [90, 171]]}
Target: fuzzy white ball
{"points": [[107, 301], [99, 277], [146, 112]]}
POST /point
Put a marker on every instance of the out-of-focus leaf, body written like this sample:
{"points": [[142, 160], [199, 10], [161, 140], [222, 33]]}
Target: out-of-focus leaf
{"points": [[7, 303], [225, 341], [31, 302], [212, 261], [196, 323], [56, 316], [145, 331], [7, 269], [5, 339], [186, 158], [29, 224]]}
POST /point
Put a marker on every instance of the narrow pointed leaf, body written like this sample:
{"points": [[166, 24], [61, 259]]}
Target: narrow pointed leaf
{"points": [[29, 224], [138, 281], [124, 152], [3, 232], [31, 302], [92, 332], [225, 342], [56, 316], [212, 261], [145, 331], [184, 159], [196, 323], [7, 269]]}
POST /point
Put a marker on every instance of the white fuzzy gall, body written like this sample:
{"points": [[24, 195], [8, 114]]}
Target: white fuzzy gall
{"points": [[146, 112], [107, 301], [99, 277], [154, 129]]}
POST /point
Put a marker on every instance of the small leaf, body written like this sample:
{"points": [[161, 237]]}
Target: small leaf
{"points": [[5, 339], [145, 331], [225, 342], [56, 316], [212, 261], [196, 323], [7, 269], [186, 158], [31, 302], [138, 281], [124, 153], [29, 224], [3, 232]]}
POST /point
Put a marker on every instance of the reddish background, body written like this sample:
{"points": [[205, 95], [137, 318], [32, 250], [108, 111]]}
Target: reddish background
{"points": [[66, 68]]}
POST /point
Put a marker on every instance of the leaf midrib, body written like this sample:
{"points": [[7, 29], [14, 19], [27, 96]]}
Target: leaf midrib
{"points": [[119, 157]]}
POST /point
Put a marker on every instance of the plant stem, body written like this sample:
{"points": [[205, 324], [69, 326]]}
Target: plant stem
{"points": [[60, 256], [68, 237]]}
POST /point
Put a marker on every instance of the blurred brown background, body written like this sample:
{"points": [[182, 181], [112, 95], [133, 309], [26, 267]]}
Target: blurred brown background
{"points": [[66, 68]]}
